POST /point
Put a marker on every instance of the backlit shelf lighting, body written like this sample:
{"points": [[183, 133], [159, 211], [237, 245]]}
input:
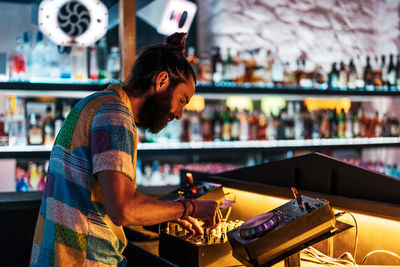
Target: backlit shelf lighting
{"points": [[232, 144]]}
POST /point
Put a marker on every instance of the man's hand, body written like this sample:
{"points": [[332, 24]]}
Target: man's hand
{"points": [[192, 225], [206, 211]]}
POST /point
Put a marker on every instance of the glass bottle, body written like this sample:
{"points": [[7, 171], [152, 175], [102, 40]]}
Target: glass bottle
{"points": [[102, 58], [352, 76], [391, 73], [18, 66], [93, 64], [368, 75], [333, 77], [27, 52], [342, 82], [79, 63], [48, 127], [39, 58], [114, 64], [35, 136]]}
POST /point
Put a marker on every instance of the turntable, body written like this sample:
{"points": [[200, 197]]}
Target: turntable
{"points": [[273, 236]]}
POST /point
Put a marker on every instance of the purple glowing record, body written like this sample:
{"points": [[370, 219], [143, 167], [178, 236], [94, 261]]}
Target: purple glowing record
{"points": [[258, 225]]}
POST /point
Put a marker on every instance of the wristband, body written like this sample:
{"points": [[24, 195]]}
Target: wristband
{"points": [[186, 206]]}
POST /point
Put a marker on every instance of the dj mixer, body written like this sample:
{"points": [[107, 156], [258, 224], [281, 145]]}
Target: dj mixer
{"points": [[260, 241], [184, 249]]}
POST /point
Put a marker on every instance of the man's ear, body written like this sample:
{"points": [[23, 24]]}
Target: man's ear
{"points": [[162, 81]]}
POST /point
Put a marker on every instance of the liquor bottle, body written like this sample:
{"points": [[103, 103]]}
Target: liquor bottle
{"points": [[65, 62], [307, 124], [59, 120], [206, 125], [352, 76], [386, 125], [102, 58], [318, 77], [35, 136], [333, 77], [39, 58], [79, 63], [391, 78], [93, 64], [384, 73], [48, 127], [377, 131], [289, 122], [342, 81], [349, 125], [192, 59], [356, 126], [53, 60], [253, 124], [27, 52], [324, 128], [185, 127], [277, 69], [268, 68], [298, 122], [217, 65], [3, 134], [262, 126], [114, 64], [217, 125], [18, 66], [226, 124], [240, 68], [368, 75], [316, 119], [243, 126], [205, 69], [235, 126], [362, 122], [272, 128], [19, 124], [360, 72], [195, 134], [280, 127], [342, 124], [394, 127], [377, 70], [333, 122], [398, 72], [228, 68]]}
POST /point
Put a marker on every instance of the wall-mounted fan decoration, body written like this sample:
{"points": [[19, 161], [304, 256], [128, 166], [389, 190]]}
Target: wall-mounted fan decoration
{"points": [[74, 22]]}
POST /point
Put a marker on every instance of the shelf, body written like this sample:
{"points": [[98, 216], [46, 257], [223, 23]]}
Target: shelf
{"points": [[221, 146], [220, 91], [289, 92]]}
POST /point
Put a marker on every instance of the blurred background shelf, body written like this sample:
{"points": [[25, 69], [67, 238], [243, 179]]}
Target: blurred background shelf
{"points": [[221, 146]]}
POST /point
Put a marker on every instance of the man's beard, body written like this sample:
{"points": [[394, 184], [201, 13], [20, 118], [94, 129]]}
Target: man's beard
{"points": [[155, 111]]}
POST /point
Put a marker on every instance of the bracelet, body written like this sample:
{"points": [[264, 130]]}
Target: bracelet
{"points": [[186, 203]]}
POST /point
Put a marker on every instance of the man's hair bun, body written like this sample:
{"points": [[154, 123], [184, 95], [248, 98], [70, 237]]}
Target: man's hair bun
{"points": [[177, 40]]}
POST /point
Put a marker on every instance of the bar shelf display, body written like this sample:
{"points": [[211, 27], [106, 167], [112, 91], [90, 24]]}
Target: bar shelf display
{"points": [[228, 146]]}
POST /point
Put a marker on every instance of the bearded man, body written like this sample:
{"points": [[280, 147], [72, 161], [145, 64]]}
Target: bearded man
{"points": [[90, 188]]}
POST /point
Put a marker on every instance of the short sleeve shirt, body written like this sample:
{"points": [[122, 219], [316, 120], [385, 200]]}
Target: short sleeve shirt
{"points": [[73, 228]]}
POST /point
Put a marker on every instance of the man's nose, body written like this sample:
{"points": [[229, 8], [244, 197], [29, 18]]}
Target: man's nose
{"points": [[178, 115]]}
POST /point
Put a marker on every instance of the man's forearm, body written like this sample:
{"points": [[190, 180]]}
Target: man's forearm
{"points": [[144, 210]]}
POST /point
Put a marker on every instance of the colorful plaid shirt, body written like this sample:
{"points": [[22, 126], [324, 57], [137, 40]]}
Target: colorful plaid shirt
{"points": [[73, 228]]}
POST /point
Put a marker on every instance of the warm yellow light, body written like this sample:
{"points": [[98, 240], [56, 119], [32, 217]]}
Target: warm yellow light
{"points": [[338, 104], [272, 105], [196, 103], [239, 102]]}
